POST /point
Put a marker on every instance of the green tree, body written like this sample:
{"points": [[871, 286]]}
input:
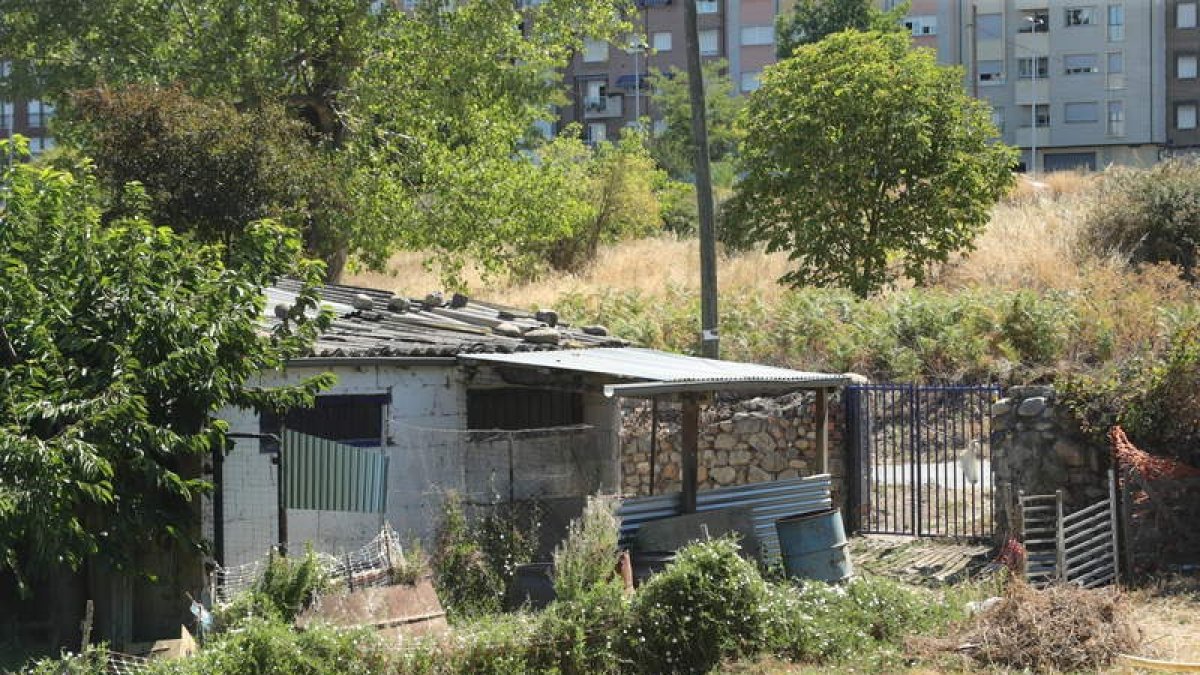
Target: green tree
{"points": [[207, 168], [421, 115], [673, 147], [813, 20], [865, 160], [606, 193], [118, 343]]}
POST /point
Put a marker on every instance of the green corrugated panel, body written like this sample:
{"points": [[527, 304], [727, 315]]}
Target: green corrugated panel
{"points": [[329, 476]]}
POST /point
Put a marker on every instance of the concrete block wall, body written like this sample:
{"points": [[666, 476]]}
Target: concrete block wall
{"points": [[430, 452]]}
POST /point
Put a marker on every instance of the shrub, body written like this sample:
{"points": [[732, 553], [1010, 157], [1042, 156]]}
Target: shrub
{"points": [[812, 621], [706, 606], [474, 565], [466, 584], [286, 588], [587, 557], [93, 661], [264, 646], [1037, 328], [1149, 215]]}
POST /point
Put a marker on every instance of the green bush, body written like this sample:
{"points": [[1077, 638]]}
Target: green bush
{"points": [[93, 661], [286, 588], [266, 647], [1149, 215], [812, 621], [1037, 328], [588, 556], [475, 564], [708, 605]]}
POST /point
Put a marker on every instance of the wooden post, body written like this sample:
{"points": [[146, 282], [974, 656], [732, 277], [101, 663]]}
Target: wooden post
{"points": [[709, 341], [689, 452], [821, 419], [1113, 522]]}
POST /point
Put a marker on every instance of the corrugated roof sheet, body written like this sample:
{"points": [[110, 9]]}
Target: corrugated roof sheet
{"points": [[652, 366], [426, 329]]}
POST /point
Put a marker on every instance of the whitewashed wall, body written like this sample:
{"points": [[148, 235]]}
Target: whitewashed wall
{"points": [[426, 459]]}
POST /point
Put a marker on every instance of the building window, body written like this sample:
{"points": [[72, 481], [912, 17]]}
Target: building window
{"points": [[6, 118], [40, 144], [1079, 64], [38, 114], [351, 419], [1025, 68], [1034, 21], [1079, 113], [1116, 70], [1185, 66], [515, 408], [921, 25], [1185, 15], [1080, 16], [989, 27], [1116, 118], [1043, 115], [750, 81], [991, 72], [758, 35], [710, 42], [998, 119], [1185, 116], [594, 51], [1116, 23], [661, 41], [706, 6], [597, 132]]}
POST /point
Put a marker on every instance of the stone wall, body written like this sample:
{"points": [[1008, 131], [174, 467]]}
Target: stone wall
{"points": [[741, 441], [1037, 447]]}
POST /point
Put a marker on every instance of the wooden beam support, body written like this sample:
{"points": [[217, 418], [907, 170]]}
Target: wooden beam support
{"points": [[821, 420], [690, 452]]}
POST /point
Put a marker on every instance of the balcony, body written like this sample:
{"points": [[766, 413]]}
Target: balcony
{"points": [[603, 107], [1028, 91], [1025, 137]]}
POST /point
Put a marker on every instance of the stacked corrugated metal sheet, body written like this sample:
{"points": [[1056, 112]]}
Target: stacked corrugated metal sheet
{"points": [[768, 502]]}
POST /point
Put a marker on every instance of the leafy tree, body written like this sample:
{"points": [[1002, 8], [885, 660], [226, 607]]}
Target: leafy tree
{"points": [[118, 343], [607, 193], [421, 116], [207, 167], [865, 160], [673, 147], [813, 20]]}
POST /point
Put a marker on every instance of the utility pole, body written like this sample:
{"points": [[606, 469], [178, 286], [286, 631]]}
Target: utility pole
{"points": [[709, 341]]}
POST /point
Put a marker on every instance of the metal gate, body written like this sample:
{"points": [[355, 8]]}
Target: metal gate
{"points": [[921, 459]]}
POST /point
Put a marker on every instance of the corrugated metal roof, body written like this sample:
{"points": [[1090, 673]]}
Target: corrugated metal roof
{"points": [[662, 371]]}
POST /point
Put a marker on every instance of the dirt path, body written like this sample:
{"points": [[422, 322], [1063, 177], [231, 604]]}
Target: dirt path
{"points": [[1169, 615]]}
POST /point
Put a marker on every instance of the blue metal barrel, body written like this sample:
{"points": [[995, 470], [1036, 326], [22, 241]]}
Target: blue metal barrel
{"points": [[813, 546]]}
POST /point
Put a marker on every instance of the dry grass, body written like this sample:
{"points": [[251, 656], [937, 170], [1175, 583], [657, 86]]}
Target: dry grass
{"points": [[1168, 613], [1063, 628], [648, 265]]}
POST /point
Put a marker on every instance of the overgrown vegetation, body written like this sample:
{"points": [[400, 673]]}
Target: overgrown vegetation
{"points": [[474, 564], [286, 588]]}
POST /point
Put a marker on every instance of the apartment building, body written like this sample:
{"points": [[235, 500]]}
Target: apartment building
{"points": [[1183, 85], [1072, 83], [29, 118]]}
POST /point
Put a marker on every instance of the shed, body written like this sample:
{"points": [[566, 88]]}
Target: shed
{"points": [[495, 403]]}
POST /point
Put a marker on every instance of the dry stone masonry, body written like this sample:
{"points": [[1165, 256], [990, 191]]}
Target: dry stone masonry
{"points": [[741, 441], [1037, 447]]}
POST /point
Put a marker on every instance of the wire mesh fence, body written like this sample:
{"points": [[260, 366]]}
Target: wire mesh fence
{"points": [[374, 564]]}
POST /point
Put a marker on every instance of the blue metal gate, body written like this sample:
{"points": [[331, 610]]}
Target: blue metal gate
{"points": [[921, 459]]}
